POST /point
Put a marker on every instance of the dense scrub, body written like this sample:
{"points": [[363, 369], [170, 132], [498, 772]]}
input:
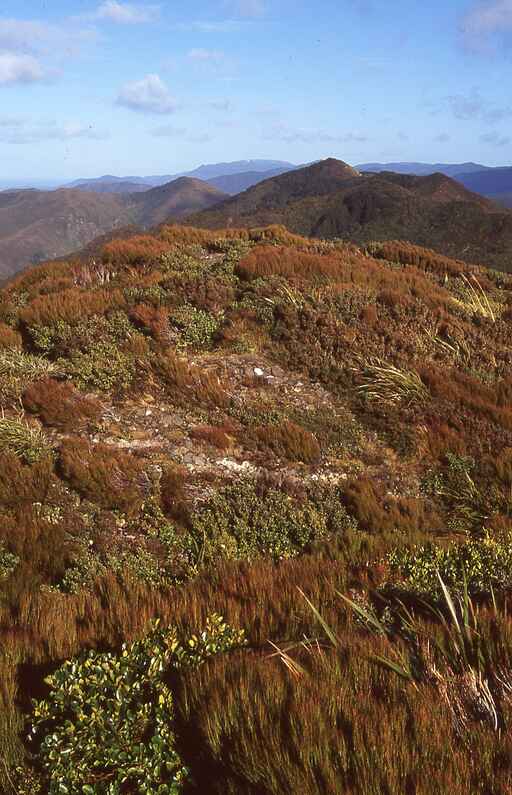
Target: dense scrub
{"points": [[248, 423]]}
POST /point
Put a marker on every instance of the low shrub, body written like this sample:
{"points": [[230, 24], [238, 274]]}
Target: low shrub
{"points": [[105, 476], [290, 441], [107, 725], [482, 566], [59, 405], [240, 522]]}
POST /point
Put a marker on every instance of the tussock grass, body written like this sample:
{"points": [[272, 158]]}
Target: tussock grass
{"points": [[390, 384], [27, 442]]}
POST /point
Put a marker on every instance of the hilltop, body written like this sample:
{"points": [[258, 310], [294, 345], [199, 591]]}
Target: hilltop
{"points": [[296, 435], [332, 200]]}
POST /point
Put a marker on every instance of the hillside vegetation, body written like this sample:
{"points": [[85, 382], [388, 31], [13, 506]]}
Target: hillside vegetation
{"points": [[332, 200], [38, 225], [296, 455]]}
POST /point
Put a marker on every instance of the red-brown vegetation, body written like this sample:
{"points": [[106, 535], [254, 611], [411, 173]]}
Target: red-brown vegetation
{"points": [[70, 306], [9, 337], [289, 441], [21, 484], [101, 474], [60, 405]]}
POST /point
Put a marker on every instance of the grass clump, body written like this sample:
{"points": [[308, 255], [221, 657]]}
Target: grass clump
{"points": [[25, 441], [290, 441], [385, 382], [60, 405]]}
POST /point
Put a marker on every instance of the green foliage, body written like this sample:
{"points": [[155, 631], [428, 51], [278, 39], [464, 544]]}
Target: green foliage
{"points": [[26, 441], [197, 327], [8, 562], [240, 523], [107, 725], [483, 565], [105, 368], [469, 505]]}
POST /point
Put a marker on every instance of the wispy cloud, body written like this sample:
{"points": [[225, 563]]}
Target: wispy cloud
{"points": [[246, 8], [207, 26], [201, 54], [23, 131], [148, 95], [180, 133], [484, 21], [20, 69], [281, 132], [473, 106], [442, 138], [35, 37], [125, 13], [222, 105], [495, 139]]}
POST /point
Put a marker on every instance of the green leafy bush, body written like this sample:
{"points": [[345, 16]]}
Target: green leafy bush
{"points": [[240, 523], [196, 326], [484, 565], [107, 724]]}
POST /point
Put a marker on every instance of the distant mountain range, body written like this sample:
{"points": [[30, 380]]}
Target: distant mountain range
{"points": [[424, 169], [38, 225], [331, 199], [326, 199], [111, 184]]}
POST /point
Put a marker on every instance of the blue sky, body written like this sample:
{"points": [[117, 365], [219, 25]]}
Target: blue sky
{"points": [[106, 86]]}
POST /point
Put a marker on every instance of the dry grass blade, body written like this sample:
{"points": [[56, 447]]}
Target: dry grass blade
{"points": [[390, 384]]}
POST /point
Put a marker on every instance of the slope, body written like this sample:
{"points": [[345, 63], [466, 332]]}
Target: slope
{"points": [[36, 225], [250, 425], [330, 199]]}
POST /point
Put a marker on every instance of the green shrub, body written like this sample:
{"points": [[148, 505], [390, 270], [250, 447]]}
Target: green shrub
{"points": [[484, 565], [238, 522], [197, 328], [107, 724], [105, 368]]}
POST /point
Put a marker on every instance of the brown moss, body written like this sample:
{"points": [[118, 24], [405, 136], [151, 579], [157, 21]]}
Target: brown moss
{"points": [[60, 405], [110, 478]]}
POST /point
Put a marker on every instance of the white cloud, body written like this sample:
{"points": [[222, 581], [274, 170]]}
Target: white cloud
{"points": [[484, 20], [23, 131], [33, 36], [16, 68], [125, 13], [200, 54], [149, 95]]}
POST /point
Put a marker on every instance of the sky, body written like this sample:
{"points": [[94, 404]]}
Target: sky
{"points": [[91, 87]]}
